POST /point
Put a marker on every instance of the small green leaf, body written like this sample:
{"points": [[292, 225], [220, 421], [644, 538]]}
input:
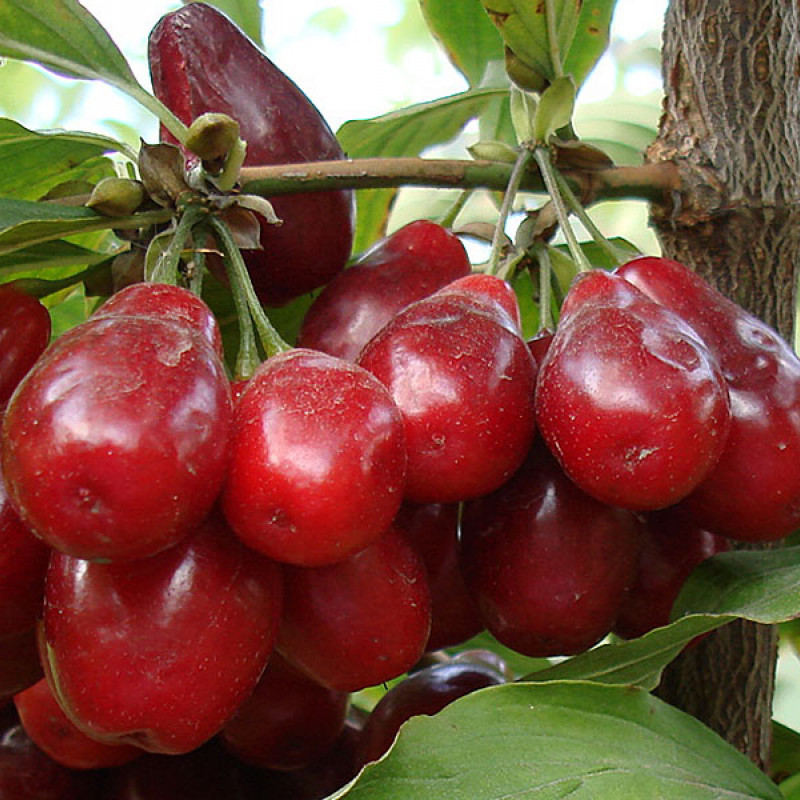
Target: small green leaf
{"points": [[584, 741], [523, 107], [466, 35], [555, 109]]}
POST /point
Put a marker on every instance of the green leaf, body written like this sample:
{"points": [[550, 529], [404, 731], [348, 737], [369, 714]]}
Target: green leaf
{"points": [[762, 586], [409, 131], [372, 215], [638, 662], [523, 26], [555, 109], [32, 163], [49, 261], [64, 37], [785, 753], [590, 38], [551, 740], [466, 34]]}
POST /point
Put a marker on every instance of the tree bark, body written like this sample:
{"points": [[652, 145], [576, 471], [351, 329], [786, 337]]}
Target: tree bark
{"points": [[731, 123]]}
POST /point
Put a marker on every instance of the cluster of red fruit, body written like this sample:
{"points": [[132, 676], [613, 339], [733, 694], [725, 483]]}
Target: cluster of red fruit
{"points": [[193, 567]]}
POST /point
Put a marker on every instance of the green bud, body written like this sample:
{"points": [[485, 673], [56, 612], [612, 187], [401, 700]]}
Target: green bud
{"points": [[116, 197], [212, 136]]}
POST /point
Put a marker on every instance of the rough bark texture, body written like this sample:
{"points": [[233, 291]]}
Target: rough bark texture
{"points": [[732, 124]]}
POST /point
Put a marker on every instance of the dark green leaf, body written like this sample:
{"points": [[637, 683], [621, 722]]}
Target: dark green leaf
{"points": [[785, 754], [49, 261], [467, 35], [411, 130], [762, 586], [549, 740], [638, 662], [590, 40], [32, 163], [64, 37]]}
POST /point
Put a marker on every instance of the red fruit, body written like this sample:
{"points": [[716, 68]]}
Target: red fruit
{"points": [[208, 773], [27, 773], [488, 294], [547, 564], [19, 664], [200, 62], [288, 721], [317, 459], [432, 528], [628, 398], [360, 622], [753, 492], [464, 384], [160, 652], [24, 334], [167, 302], [410, 264], [23, 562], [427, 691], [671, 548], [116, 443], [53, 732]]}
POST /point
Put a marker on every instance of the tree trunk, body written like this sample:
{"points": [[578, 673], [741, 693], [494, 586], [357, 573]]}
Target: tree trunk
{"points": [[731, 123]]}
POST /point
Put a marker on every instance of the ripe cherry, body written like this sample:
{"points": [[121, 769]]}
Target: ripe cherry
{"points": [[360, 622], [318, 459], [408, 265], [628, 398], [753, 492], [547, 564]]}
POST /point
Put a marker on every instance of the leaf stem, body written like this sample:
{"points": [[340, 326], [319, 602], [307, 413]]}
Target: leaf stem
{"points": [[241, 286], [166, 266], [521, 164], [616, 255], [543, 159]]}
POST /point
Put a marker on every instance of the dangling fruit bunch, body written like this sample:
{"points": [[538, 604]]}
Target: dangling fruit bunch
{"points": [[188, 572]]}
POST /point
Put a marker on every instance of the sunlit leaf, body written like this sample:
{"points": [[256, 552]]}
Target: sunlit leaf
{"points": [[467, 35], [590, 40], [64, 37], [48, 261], [411, 130], [584, 741]]}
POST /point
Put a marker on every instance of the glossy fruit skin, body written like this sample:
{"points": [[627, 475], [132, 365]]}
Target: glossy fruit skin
{"points": [[288, 721], [411, 263], [672, 547], [160, 652], [167, 302], [432, 528], [464, 383], [753, 493], [24, 335], [201, 62], [27, 773], [425, 692], [53, 732], [628, 398], [548, 564], [360, 622], [318, 459], [116, 443], [23, 562]]}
